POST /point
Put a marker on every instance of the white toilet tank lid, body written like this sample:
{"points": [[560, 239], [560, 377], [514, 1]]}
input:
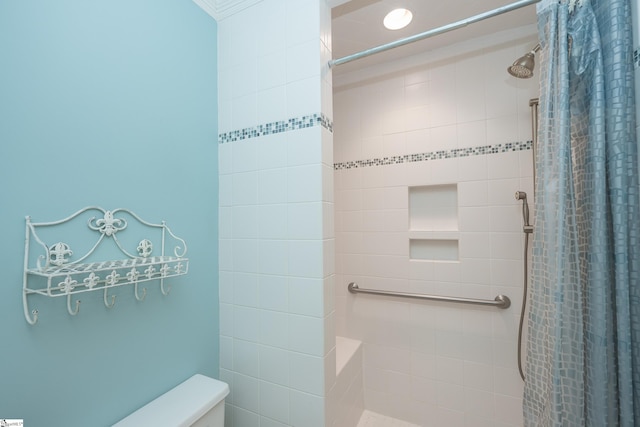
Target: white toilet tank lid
{"points": [[181, 406]]}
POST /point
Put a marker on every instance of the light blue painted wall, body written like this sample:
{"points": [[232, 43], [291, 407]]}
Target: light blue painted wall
{"points": [[109, 103]]}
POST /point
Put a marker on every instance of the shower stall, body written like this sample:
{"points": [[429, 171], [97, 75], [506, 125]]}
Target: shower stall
{"points": [[426, 153], [426, 163]]}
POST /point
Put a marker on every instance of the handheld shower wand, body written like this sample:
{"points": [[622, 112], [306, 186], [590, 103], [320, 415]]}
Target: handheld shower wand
{"points": [[527, 229]]}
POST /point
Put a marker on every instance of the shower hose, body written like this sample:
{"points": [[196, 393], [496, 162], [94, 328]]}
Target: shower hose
{"points": [[527, 229]]}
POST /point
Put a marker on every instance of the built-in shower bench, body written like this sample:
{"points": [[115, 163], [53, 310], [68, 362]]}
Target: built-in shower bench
{"points": [[348, 388]]}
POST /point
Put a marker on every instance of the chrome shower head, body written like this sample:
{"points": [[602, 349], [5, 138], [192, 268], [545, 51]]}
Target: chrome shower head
{"points": [[523, 67], [521, 195]]}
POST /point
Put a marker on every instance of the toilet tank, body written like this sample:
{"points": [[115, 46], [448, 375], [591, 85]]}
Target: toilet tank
{"points": [[197, 402]]}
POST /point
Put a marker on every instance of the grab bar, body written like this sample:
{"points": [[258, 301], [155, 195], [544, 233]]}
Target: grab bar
{"points": [[501, 301]]}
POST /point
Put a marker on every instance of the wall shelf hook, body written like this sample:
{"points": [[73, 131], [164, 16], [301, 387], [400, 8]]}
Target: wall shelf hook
{"points": [[32, 317], [144, 292], [164, 291], [106, 300], [71, 311]]}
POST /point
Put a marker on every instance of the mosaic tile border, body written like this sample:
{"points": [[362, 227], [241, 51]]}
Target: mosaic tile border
{"points": [[436, 155], [277, 127]]}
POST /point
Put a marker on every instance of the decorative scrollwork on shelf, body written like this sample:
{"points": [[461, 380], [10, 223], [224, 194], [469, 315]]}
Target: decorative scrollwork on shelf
{"points": [[108, 225], [55, 271]]}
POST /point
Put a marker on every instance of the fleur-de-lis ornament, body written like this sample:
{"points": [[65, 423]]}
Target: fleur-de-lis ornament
{"points": [[91, 281], [112, 278], [145, 247], [132, 275], [59, 252], [67, 285]]}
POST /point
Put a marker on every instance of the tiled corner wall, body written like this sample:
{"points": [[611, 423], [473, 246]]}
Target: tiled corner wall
{"points": [[277, 338], [461, 120]]}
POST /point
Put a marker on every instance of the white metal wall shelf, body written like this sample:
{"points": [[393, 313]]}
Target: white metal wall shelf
{"points": [[50, 269]]}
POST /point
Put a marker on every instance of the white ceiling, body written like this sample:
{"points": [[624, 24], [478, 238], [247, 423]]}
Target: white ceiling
{"points": [[357, 25], [221, 9]]}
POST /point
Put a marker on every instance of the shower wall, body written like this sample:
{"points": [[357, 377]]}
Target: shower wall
{"points": [[276, 242], [428, 153]]}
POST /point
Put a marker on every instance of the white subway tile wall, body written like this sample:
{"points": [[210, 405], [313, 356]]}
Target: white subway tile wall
{"points": [[277, 334], [430, 363]]}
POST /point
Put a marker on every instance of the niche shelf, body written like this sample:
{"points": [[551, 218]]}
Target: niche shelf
{"points": [[52, 268], [433, 249], [433, 208], [433, 223]]}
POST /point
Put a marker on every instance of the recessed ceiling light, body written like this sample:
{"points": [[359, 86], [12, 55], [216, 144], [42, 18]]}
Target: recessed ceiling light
{"points": [[397, 18]]}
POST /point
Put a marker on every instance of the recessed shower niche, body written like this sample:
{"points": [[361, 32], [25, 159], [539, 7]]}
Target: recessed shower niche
{"points": [[433, 222]]}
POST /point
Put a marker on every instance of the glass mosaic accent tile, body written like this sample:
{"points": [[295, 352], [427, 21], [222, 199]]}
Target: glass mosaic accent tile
{"points": [[277, 127], [436, 155]]}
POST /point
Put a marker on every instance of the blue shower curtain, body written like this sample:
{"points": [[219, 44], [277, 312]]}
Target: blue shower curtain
{"points": [[583, 354]]}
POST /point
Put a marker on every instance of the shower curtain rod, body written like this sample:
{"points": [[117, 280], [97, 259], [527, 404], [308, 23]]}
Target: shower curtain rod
{"points": [[434, 32]]}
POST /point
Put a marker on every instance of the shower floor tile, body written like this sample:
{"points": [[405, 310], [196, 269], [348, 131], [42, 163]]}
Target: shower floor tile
{"points": [[372, 419]]}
